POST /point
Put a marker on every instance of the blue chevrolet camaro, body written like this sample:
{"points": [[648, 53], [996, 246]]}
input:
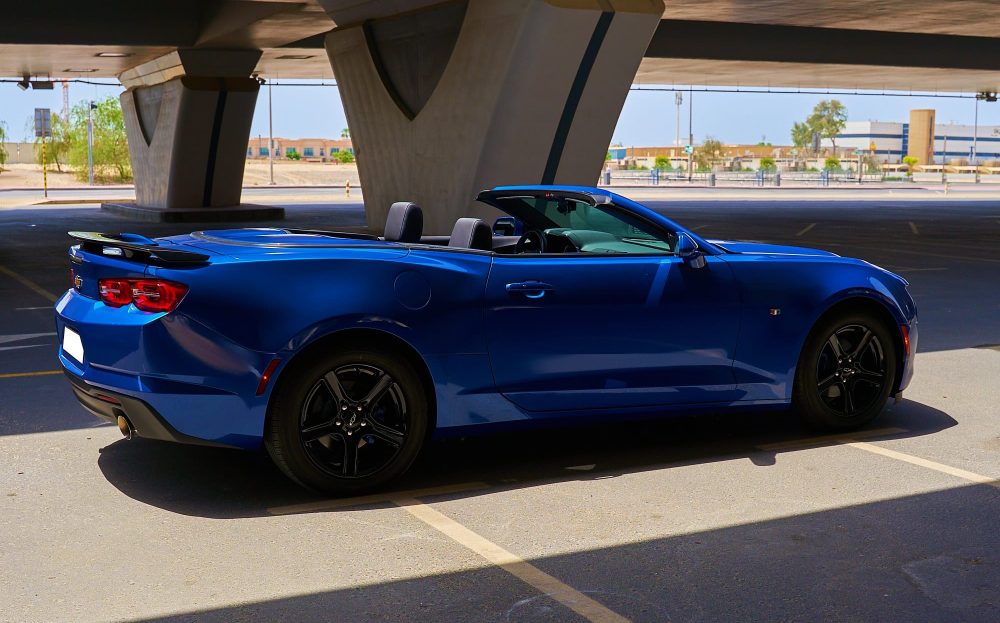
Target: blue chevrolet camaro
{"points": [[342, 354]]}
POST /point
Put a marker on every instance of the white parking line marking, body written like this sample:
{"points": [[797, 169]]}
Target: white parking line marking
{"points": [[389, 497], [3, 348], [17, 337], [916, 270], [806, 229], [699, 227], [32, 308], [852, 441], [916, 460], [913, 228], [28, 283], [512, 564]]}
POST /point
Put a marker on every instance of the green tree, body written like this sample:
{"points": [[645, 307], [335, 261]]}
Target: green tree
{"points": [[56, 146], [3, 139], [911, 163], [663, 164], [293, 155], [345, 133], [871, 163], [832, 164], [828, 119], [344, 157], [708, 154], [768, 164], [111, 159], [802, 135]]}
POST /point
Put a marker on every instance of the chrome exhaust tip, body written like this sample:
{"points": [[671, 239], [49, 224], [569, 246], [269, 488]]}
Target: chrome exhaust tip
{"points": [[125, 427]]}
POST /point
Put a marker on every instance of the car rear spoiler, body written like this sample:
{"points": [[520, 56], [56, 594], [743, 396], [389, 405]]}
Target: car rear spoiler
{"points": [[137, 248]]}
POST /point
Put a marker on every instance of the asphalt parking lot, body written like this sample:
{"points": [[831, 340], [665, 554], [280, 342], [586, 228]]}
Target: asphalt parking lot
{"points": [[722, 518]]}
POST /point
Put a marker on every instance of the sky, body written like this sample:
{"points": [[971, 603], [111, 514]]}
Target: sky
{"points": [[648, 118]]}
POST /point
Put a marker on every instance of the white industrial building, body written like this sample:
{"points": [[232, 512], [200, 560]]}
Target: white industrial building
{"points": [[891, 140]]}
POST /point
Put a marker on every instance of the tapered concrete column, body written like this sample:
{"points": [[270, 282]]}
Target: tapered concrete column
{"points": [[187, 119], [461, 96]]}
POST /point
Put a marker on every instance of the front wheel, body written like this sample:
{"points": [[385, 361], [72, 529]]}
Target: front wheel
{"points": [[846, 372], [349, 421]]}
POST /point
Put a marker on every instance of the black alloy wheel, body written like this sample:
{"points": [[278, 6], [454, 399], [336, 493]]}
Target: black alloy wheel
{"points": [[846, 371], [354, 421], [346, 422], [851, 370]]}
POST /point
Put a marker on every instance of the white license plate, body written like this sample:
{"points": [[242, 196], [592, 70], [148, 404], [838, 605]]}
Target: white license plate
{"points": [[72, 345]]}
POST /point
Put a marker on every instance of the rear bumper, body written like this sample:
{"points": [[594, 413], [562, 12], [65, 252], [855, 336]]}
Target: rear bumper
{"points": [[109, 405], [172, 377]]}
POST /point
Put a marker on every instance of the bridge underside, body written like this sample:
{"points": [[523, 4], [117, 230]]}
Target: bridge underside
{"points": [[444, 98]]}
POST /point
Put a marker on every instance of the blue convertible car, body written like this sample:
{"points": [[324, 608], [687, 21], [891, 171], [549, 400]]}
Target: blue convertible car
{"points": [[343, 353]]}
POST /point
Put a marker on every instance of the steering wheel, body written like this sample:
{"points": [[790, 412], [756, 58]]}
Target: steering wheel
{"points": [[533, 241]]}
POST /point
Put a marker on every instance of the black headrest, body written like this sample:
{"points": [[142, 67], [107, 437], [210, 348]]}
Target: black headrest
{"points": [[471, 233], [405, 222]]}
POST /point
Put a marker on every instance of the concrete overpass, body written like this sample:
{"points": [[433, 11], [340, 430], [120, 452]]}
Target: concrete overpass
{"points": [[517, 90]]}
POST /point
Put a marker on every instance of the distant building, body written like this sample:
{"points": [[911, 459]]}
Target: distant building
{"points": [[310, 149], [894, 140], [736, 157]]}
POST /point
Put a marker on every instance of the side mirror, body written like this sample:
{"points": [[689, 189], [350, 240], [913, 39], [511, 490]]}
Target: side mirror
{"points": [[505, 226], [687, 250]]}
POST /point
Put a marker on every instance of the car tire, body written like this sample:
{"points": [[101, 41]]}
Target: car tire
{"points": [[333, 435], [846, 371]]}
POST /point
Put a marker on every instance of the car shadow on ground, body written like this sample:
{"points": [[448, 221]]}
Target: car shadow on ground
{"points": [[220, 483]]}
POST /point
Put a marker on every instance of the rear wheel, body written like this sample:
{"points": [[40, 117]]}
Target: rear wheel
{"points": [[347, 422], [846, 371]]}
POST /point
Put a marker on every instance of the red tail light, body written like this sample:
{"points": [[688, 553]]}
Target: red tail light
{"points": [[152, 295], [115, 292]]}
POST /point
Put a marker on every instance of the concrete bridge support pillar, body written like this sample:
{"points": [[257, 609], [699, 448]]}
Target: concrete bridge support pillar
{"points": [[187, 118], [461, 96]]}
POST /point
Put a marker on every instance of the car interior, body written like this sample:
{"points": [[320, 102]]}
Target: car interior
{"points": [[557, 226]]}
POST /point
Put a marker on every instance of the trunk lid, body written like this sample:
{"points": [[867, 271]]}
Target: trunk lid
{"points": [[97, 256]]}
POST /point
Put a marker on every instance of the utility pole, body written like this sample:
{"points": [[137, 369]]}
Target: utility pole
{"points": [[270, 135], [678, 100], [690, 133], [944, 157], [975, 133], [988, 96], [90, 143], [65, 102]]}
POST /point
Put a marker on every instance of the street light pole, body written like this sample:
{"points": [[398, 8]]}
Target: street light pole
{"points": [[270, 135], [678, 99], [975, 134], [90, 143], [691, 133]]}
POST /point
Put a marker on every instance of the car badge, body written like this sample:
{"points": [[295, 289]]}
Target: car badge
{"points": [[77, 282]]}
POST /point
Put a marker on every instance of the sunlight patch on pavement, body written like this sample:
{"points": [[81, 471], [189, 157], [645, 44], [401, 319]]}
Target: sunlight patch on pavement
{"points": [[921, 462], [388, 497], [512, 564]]}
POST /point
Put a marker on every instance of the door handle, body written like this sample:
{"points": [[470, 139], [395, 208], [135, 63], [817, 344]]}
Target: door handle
{"points": [[530, 289]]}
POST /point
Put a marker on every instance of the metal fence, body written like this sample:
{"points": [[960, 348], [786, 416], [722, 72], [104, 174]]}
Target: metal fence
{"points": [[655, 177]]}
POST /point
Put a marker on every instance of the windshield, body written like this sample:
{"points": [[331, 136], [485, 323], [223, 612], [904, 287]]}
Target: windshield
{"points": [[602, 228]]}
